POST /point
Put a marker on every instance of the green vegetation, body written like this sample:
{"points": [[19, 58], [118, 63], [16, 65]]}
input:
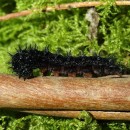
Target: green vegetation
{"points": [[64, 30], [12, 121]]}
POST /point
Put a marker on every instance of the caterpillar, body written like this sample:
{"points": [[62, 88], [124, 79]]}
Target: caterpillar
{"points": [[24, 61]]}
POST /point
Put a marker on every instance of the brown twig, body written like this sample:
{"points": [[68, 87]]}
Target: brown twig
{"points": [[60, 7], [67, 96], [100, 115], [65, 93]]}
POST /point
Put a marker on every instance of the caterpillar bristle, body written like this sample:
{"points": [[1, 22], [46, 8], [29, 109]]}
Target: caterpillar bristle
{"points": [[10, 54], [9, 62], [19, 48]]}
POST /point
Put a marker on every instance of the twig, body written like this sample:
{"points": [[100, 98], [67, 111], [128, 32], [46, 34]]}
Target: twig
{"points": [[65, 93], [60, 7], [15, 15], [100, 115], [66, 96]]}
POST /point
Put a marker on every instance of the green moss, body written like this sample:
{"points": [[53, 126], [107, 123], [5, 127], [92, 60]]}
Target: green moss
{"points": [[34, 122]]}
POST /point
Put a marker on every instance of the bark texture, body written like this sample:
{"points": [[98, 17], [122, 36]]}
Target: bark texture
{"points": [[97, 95], [65, 93]]}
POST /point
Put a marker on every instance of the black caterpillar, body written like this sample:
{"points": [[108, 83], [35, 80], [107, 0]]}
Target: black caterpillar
{"points": [[24, 61]]}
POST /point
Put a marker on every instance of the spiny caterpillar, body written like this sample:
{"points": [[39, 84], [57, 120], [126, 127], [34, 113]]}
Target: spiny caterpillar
{"points": [[24, 61]]}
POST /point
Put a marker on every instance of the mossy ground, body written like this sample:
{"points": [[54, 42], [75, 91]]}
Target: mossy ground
{"points": [[63, 30]]}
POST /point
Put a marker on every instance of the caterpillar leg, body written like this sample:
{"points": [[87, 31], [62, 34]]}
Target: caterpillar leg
{"points": [[87, 75], [73, 74], [55, 73]]}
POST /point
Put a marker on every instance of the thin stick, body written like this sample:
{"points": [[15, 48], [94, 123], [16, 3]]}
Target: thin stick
{"points": [[100, 115], [65, 93], [67, 96], [60, 7]]}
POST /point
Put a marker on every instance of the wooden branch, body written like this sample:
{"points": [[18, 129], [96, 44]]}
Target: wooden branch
{"points": [[66, 96], [65, 93], [100, 115], [60, 7], [15, 15]]}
